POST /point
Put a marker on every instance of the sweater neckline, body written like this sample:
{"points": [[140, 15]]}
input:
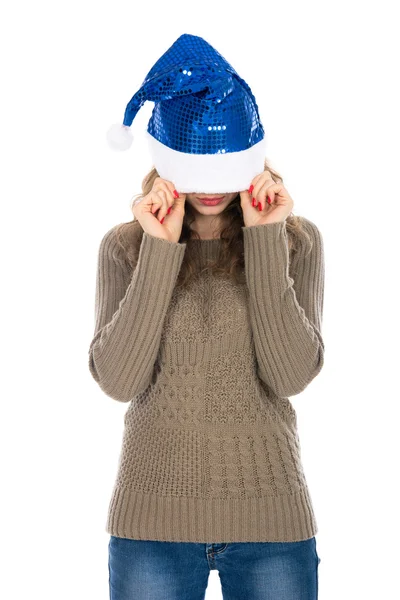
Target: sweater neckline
{"points": [[207, 249]]}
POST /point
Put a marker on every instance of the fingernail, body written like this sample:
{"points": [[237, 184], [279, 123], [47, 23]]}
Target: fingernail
{"points": [[253, 201], [162, 220], [268, 200], [176, 194], [169, 210], [259, 206], [251, 188]]}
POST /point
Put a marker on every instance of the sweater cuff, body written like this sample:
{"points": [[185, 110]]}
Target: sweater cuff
{"points": [[266, 253], [160, 262], [272, 231], [155, 251]]}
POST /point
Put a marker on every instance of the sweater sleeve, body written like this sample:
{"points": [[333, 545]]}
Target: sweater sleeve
{"points": [[286, 305], [130, 309]]}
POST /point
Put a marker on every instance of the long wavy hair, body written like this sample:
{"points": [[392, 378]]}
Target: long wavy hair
{"points": [[231, 258]]}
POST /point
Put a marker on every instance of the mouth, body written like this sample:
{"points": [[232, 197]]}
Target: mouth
{"points": [[211, 201]]}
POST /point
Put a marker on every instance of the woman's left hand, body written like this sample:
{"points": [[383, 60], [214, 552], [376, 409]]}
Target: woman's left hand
{"points": [[254, 201]]}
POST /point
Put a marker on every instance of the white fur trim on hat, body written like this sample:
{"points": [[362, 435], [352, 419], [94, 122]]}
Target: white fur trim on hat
{"points": [[207, 173]]}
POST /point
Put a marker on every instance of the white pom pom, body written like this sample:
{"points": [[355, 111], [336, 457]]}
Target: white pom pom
{"points": [[119, 137]]}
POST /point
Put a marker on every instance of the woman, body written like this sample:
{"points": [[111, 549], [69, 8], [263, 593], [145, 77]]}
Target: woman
{"points": [[208, 316]]}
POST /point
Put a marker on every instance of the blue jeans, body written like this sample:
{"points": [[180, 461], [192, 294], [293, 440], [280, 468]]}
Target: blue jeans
{"points": [[156, 570]]}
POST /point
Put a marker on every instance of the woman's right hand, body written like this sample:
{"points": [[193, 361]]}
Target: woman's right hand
{"points": [[161, 198]]}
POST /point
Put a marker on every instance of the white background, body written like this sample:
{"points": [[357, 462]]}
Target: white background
{"points": [[325, 76]]}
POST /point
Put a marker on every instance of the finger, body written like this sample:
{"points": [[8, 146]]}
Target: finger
{"points": [[265, 194], [245, 198], [275, 191], [265, 179], [254, 182], [169, 196], [155, 201], [160, 207], [162, 210], [171, 188]]}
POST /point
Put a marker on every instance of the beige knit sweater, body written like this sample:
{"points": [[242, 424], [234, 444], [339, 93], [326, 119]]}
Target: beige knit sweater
{"points": [[210, 450]]}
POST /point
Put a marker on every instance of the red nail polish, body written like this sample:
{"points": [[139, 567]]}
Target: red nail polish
{"points": [[268, 200], [169, 210], [162, 220], [259, 206], [253, 201], [176, 194], [251, 188]]}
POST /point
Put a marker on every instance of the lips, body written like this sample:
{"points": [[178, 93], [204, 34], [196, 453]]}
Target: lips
{"points": [[215, 198], [212, 201]]}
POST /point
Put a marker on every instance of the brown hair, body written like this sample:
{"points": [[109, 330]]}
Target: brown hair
{"points": [[231, 259]]}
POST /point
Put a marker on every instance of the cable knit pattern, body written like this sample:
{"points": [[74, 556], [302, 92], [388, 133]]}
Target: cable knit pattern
{"points": [[210, 450]]}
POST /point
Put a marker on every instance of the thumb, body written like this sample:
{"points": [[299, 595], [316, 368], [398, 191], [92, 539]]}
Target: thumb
{"points": [[178, 204], [177, 208], [182, 197], [245, 201]]}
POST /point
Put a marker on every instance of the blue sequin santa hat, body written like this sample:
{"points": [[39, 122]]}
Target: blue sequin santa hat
{"points": [[205, 133]]}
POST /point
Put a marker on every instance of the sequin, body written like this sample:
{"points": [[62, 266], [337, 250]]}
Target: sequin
{"points": [[194, 89]]}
